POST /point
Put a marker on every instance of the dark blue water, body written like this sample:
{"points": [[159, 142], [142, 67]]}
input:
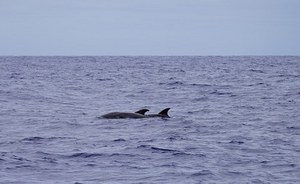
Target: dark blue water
{"points": [[234, 120]]}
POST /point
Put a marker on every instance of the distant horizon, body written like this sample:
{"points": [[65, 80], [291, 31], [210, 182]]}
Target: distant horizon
{"points": [[150, 28], [149, 55]]}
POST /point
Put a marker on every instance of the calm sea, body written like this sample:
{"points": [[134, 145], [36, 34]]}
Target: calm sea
{"points": [[234, 120]]}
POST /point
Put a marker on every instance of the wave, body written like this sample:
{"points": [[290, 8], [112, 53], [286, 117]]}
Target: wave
{"points": [[86, 155], [202, 173], [119, 140], [163, 150], [38, 139], [33, 139], [103, 155], [217, 92], [173, 152], [156, 149]]}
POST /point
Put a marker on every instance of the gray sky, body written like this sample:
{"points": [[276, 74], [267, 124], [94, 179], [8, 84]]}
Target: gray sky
{"points": [[149, 27]]}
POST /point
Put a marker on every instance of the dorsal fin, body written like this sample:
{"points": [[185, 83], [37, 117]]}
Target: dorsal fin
{"points": [[142, 111], [164, 112]]}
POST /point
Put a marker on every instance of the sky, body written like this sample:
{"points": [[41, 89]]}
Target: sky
{"points": [[149, 27]]}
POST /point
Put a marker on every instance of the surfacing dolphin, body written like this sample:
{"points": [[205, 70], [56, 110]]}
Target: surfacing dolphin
{"points": [[136, 115], [142, 111], [122, 115], [162, 114]]}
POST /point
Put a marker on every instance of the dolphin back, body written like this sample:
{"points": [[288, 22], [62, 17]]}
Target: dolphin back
{"points": [[122, 115]]}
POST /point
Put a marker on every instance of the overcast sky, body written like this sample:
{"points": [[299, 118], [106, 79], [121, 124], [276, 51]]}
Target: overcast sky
{"points": [[149, 27]]}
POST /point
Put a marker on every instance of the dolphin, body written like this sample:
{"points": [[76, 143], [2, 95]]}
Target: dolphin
{"points": [[136, 115], [142, 111], [162, 114], [122, 115]]}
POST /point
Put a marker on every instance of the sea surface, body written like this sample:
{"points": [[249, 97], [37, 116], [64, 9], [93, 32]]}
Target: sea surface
{"points": [[233, 120]]}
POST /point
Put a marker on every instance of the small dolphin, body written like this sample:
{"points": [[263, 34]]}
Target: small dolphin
{"points": [[162, 114], [122, 115], [136, 115], [142, 111]]}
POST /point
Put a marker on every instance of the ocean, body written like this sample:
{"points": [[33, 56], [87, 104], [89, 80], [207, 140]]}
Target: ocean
{"points": [[233, 120]]}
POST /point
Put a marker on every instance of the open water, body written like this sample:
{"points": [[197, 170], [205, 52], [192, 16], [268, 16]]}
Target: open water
{"points": [[234, 120]]}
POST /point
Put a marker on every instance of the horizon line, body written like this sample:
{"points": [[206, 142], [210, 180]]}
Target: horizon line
{"points": [[149, 55]]}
